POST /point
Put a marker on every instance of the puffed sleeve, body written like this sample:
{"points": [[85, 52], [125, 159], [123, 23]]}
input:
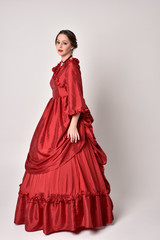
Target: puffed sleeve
{"points": [[76, 101]]}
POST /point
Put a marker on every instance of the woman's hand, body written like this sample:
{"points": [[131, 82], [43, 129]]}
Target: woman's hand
{"points": [[72, 130], [73, 133]]}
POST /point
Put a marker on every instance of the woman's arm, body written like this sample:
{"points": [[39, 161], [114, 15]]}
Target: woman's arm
{"points": [[72, 130], [74, 119]]}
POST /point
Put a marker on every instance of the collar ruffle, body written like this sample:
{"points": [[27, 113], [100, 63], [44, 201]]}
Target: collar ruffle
{"points": [[56, 68]]}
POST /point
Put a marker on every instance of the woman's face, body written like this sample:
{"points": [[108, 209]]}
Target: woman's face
{"points": [[64, 45]]}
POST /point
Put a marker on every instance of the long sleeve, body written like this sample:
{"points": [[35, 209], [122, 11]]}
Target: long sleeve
{"points": [[76, 101]]}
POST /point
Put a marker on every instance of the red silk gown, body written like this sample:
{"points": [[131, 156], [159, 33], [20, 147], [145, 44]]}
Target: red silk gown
{"points": [[64, 186]]}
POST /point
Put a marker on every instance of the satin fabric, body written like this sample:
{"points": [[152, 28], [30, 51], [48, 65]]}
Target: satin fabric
{"points": [[64, 186], [50, 148]]}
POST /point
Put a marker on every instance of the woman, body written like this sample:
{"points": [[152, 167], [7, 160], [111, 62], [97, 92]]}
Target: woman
{"points": [[64, 186]]}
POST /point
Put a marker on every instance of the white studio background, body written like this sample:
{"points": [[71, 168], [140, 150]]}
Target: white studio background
{"points": [[119, 53]]}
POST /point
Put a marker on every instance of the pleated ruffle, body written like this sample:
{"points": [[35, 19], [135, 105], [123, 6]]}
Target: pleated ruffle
{"points": [[65, 212]]}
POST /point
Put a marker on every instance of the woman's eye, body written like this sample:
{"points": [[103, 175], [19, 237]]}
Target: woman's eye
{"points": [[64, 43]]}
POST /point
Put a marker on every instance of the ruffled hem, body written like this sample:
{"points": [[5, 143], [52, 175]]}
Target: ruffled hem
{"points": [[63, 212]]}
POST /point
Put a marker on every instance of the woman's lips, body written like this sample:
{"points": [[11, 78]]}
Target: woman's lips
{"points": [[60, 50]]}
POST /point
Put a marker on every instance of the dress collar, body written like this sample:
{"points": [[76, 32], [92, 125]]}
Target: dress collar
{"points": [[58, 66], [66, 59]]}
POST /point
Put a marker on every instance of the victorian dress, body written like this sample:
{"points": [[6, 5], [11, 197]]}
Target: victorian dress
{"points": [[64, 186]]}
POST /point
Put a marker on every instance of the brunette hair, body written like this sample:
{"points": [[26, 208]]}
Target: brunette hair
{"points": [[71, 37]]}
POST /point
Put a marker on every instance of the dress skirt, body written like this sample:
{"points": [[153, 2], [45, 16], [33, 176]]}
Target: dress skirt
{"points": [[72, 196]]}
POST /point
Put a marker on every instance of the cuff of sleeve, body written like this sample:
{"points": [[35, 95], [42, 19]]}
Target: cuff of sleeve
{"points": [[77, 110]]}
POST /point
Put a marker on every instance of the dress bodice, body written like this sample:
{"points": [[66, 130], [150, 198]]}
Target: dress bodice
{"points": [[58, 81], [57, 89]]}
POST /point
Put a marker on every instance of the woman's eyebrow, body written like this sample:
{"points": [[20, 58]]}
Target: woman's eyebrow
{"points": [[62, 41]]}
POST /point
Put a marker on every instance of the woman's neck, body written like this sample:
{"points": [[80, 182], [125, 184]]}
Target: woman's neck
{"points": [[65, 59]]}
